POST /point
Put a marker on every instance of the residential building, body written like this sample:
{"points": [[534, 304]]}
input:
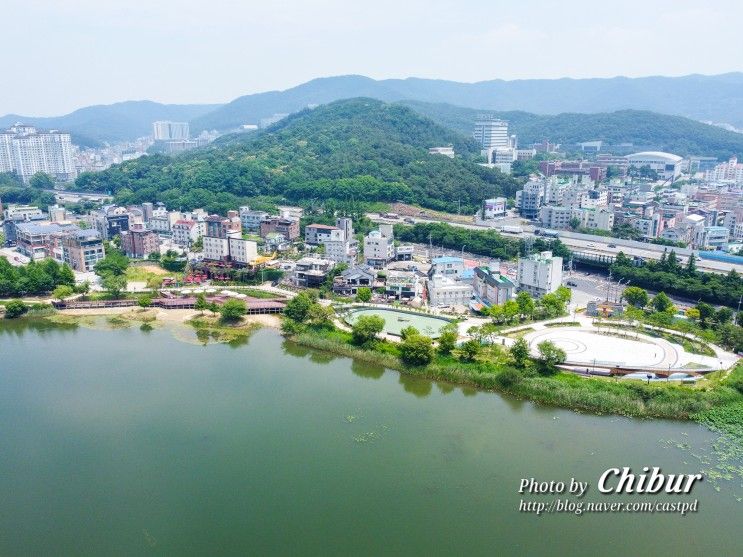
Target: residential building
{"points": [[290, 212], [111, 221], [242, 252], [34, 240], [494, 208], [530, 199], [378, 249], [26, 151], [288, 227], [448, 266], [185, 233], [445, 291], [540, 273], [312, 271], [353, 278], [82, 249], [491, 287], [166, 131], [404, 252], [215, 249], [403, 285], [317, 234], [251, 218], [139, 242], [712, 238]]}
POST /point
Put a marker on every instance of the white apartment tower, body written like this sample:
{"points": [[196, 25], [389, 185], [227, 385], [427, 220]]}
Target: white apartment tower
{"points": [[163, 130], [26, 151]]}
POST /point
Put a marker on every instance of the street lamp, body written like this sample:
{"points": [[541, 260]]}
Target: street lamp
{"points": [[463, 246]]}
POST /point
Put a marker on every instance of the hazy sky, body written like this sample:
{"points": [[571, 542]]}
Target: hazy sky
{"points": [[62, 55]]}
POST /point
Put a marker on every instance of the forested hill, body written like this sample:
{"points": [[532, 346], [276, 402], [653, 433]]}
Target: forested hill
{"points": [[356, 149], [93, 125], [674, 134]]}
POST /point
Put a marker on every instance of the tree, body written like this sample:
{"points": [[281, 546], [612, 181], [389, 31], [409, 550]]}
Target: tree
{"points": [[691, 265], [408, 331], [201, 303], [661, 302], [723, 315], [62, 291], [636, 296], [693, 314], [520, 352], [366, 328], [448, 338], [320, 315], [115, 263], [550, 356], [298, 307], [15, 308], [706, 312], [525, 304], [574, 223], [469, 350], [364, 294], [145, 301], [233, 310], [114, 284], [416, 350], [41, 181]]}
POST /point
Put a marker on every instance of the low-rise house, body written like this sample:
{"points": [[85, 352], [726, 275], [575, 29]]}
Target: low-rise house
{"points": [[251, 218], [312, 271], [316, 234], [403, 285], [353, 278], [404, 252]]}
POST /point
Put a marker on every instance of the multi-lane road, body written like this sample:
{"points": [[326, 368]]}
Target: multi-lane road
{"points": [[585, 243]]}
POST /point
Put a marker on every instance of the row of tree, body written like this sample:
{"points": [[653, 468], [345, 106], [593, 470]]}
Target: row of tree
{"points": [[38, 277]]}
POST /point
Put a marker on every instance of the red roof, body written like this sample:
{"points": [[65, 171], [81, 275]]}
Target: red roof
{"points": [[322, 226], [187, 222]]}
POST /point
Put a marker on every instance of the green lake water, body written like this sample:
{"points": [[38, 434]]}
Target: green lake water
{"points": [[135, 443]]}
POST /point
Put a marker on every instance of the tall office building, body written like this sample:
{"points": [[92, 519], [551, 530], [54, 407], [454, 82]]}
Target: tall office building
{"points": [[26, 151], [166, 131], [491, 133]]}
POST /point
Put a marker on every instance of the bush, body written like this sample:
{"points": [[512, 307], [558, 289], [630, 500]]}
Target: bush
{"points": [[416, 350], [15, 308], [233, 310], [508, 377]]}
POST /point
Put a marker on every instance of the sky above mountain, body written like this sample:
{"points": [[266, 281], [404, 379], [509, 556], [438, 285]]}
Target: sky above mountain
{"points": [[70, 54]]}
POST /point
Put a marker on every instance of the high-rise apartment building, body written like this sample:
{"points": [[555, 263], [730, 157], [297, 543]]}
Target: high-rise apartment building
{"points": [[26, 151], [163, 130]]}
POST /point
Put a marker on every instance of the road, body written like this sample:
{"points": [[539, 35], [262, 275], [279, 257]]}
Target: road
{"points": [[580, 242]]}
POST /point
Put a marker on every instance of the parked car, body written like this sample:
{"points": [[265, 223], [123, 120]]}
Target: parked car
{"points": [[571, 283], [611, 246]]}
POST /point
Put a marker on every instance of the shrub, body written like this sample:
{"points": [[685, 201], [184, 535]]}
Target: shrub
{"points": [[416, 350], [15, 308], [508, 377], [233, 310]]}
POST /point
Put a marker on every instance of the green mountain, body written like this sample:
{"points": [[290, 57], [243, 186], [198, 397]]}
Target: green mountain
{"points": [[356, 149], [94, 125], [716, 98], [674, 134]]}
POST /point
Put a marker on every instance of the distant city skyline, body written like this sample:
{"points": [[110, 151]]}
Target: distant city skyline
{"points": [[84, 52]]}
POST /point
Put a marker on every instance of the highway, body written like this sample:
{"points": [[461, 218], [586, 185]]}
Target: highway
{"points": [[585, 243]]}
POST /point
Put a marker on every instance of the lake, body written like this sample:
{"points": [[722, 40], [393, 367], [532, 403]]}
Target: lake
{"points": [[124, 442]]}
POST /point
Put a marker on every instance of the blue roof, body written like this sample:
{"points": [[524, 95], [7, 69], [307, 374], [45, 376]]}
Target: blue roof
{"points": [[448, 259]]}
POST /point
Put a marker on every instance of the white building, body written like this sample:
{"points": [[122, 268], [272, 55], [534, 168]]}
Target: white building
{"points": [[378, 249], [26, 151], [169, 131], [666, 165], [216, 249], [494, 208], [445, 151], [251, 218], [185, 233], [540, 273], [243, 251], [445, 291], [491, 133]]}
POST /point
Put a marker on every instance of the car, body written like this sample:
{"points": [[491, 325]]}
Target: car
{"points": [[571, 283], [611, 246], [590, 245]]}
